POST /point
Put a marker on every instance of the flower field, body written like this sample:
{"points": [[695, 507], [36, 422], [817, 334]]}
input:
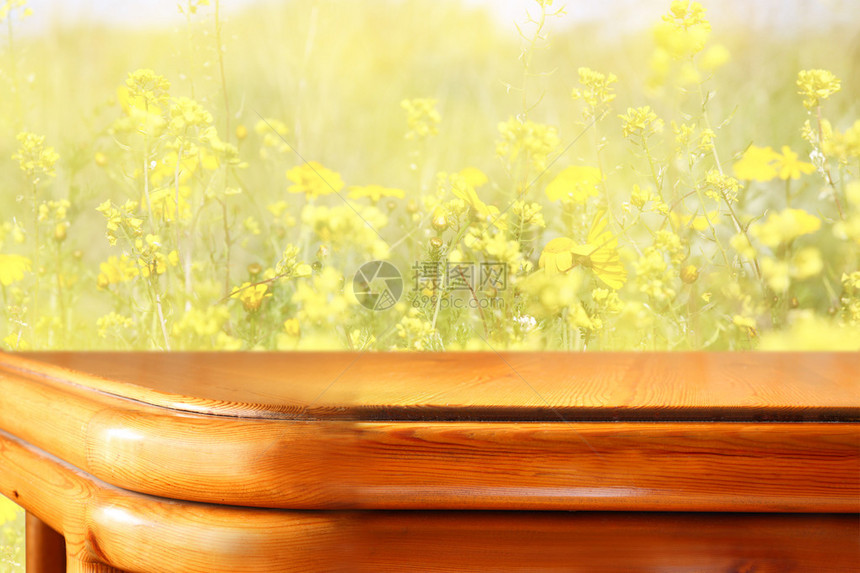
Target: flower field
{"points": [[219, 190], [226, 185]]}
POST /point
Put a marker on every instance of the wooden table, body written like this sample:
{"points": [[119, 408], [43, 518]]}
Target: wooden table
{"points": [[193, 462]]}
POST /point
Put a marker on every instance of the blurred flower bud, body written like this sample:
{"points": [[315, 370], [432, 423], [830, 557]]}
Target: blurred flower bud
{"points": [[689, 274]]}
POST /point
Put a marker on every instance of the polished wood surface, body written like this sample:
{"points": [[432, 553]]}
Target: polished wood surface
{"points": [[472, 386], [46, 549], [422, 464], [109, 530]]}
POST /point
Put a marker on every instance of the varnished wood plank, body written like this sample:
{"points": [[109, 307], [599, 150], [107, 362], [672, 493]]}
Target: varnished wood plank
{"points": [[469, 386], [611, 466], [707, 466], [612, 542], [112, 528], [46, 549], [78, 565]]}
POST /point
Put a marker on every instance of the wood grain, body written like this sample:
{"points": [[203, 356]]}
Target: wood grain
{"points": [[110, 530], [473, 386], [336, 464]]}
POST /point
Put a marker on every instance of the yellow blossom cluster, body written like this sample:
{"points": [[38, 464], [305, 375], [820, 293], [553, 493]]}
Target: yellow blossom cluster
{"points": [[314, 180], [764, 164], [526, 138], [816, 85], [35, 158], [422, 117], [121, 220], [641, 122], [595, 90]]}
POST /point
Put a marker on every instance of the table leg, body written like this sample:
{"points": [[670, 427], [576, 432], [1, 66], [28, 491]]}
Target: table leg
{"points": [[46, 549]]}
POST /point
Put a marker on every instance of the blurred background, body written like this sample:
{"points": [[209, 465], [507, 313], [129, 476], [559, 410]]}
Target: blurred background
{"points": [[778, 16]]}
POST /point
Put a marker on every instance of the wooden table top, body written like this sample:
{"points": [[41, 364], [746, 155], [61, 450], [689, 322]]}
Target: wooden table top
{"points": [[473, 386], [513, 431]]}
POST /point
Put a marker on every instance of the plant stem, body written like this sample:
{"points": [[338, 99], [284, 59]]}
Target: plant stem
{"points": [[227, 246], [153, 283], [826, 166]]}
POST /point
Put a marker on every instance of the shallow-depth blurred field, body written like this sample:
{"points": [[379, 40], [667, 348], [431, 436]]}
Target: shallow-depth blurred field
{"points": [[536, 186], [218, 186]]}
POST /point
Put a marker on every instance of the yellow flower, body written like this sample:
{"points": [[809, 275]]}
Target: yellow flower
{"points": [[15, 342], [118, 217], [641, 121], [112, 321], [374, 192], [684, 30], [12, 268], [784, 227], [851, 281], [164, 204], [806, 263], [203, 323], [789, 167], [535, 140], [714, 57], [557, 256], [292, 327], [843, 146], [34, 157], [314, 180], [639, 197], [600, 254], [551, 293], [607, 300], [689, 274], [576, 183], [527, 214], [251, 225], [116, 270], [252, 295], [147, 89], [54, 210], [757, 164], [416, 331], [186, 113], [816, 85], [776, 273], [462, 189], [321, 299], [273, 132], [721, 186], [741, 244], [6, 8], [421, 116], [596, 90], [473, 176]]}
